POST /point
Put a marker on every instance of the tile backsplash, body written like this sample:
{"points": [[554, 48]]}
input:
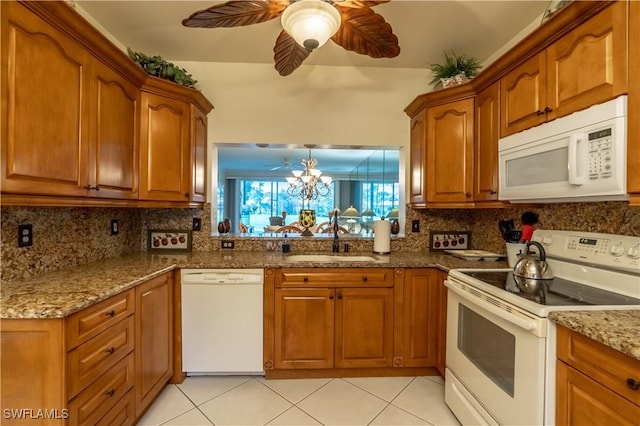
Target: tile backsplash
{"points": [[65, 237]]}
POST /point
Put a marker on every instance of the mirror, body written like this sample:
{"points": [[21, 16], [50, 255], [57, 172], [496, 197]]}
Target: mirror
{"points": [[253, 191]]}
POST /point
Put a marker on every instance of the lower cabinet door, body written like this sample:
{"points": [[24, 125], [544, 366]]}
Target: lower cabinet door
{"points": [[304, 328], [122, 414], [364, 327], [95, 401], [581, 401]]}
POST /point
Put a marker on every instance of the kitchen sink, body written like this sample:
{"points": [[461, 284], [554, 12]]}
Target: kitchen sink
{"points": [[328, 258]]}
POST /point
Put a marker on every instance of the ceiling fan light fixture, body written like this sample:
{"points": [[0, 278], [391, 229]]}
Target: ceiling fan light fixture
{"points": [[311, 22]]}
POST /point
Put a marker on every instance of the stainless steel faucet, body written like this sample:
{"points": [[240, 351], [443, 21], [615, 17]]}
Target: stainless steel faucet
{"points": [[335, 248]]}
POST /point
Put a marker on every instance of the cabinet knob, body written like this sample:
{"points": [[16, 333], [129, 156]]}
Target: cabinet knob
{"points": [[305, 279], [339, 295], [493, 192], [331, 296], [90, 187], [468, 194], [547, 109], [633, 384], [539, 112], [110, 313], [186, 195], [110, 392], [110, 350], [364, 278]]}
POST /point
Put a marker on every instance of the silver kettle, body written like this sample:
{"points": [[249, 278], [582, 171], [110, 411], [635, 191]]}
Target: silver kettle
{"points": [[531, 272]]}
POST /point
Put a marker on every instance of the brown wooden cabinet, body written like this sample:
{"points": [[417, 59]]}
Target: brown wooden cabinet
{"points": [[329, 318], [449, 152], [587, 66], [633, 123], [419, 319], [591, 383], [417, 160], [106, 144], [487, 128], [102, 365], [154, 339], [164, 149]]}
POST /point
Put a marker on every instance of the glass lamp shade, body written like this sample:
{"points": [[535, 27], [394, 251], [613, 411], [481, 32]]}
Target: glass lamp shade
{"points": [[351, 212], [311, 22], [393, 213]]}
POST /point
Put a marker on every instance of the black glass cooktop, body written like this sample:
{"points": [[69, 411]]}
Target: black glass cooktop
{"points": [[558, 292]]}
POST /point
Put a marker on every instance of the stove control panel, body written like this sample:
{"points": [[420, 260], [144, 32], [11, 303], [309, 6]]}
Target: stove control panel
{"points": [[621, 252]]}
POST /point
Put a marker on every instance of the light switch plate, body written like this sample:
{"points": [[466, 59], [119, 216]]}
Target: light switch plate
{"points": [[449, 240]]}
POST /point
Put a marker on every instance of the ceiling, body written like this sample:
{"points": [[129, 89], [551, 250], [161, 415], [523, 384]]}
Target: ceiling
{"points": [[424, 28]]}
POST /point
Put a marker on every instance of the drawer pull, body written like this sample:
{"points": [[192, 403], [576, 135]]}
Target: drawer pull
{"points": [[110, 350], [110, 392], [305, 279], [111, 313], [331, 297], [364, 278], [339, 295], [633, 384]]}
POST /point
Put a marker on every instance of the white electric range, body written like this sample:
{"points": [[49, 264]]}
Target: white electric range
{"points": [[500, 345]]}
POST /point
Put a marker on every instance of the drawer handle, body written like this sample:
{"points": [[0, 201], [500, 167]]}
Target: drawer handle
{"points": [[110, 392], [331, 296], [305, 279], [339, 295], [364, 278], [539, 112], [110, 350], [111, 313], [633, 384], [547, 110]]}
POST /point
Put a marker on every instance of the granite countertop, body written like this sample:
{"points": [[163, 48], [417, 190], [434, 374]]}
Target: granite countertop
{"points": [[59, 294], [619, 330]]}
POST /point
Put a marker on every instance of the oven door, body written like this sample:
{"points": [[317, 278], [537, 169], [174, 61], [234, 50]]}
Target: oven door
{"points": [[495, 359]]}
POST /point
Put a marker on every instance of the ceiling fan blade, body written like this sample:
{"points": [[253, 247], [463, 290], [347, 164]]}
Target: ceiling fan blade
{"points": [[359, 3], [236, 13], [364, 31], [287, 54]]}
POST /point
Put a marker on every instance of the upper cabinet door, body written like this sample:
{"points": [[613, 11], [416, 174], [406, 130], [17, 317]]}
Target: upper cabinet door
{"points": [[523, 97], [164, 149], [199, 155], [487, 120], [417, 157], [114, 134], [450, 152], [588, 65], [44, 98]]}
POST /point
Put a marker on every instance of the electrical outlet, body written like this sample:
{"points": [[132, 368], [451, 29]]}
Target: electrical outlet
{"points": [[228, 244], [197, 224], [115, 227], [415, 225], [25, 235]]}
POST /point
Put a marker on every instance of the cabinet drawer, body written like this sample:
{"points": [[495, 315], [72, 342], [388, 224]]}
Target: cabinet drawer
{"points": [[89, 322], [602, 363], [122, 414], [335, 277], [91, 359], [101, 396]]}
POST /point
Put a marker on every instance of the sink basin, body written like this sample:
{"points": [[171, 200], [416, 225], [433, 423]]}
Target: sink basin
{"points": [[327, 258]]}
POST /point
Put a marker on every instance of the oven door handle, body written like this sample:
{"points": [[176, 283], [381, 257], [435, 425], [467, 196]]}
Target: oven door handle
{"points": [[522, 323]]}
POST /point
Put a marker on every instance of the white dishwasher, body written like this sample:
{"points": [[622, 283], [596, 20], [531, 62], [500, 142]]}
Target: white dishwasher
{"points": [[222, 321]]}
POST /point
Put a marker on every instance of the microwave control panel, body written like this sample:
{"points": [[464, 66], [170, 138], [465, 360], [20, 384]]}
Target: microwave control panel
{"points": [[600, 154]]}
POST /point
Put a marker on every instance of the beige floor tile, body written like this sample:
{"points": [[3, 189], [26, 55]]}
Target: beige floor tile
{"points": [[393, 416], [386, 388], [251, 403], [296, 389], [425, 399], [170, 404], [190, 418], [200, 389], [437, 379], [341, 403], [294, 417]]}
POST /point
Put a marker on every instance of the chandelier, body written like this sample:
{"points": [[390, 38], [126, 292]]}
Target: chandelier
{"points": [[308, 184]]}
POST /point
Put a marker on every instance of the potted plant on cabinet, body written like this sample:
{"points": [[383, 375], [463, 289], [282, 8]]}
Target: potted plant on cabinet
{"points": [[455, 70]]}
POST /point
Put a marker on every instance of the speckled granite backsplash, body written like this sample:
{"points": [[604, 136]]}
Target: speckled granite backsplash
{"points": [[65, 237]]}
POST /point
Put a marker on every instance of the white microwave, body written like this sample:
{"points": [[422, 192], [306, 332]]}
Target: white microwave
{"points": [[580, 157]]}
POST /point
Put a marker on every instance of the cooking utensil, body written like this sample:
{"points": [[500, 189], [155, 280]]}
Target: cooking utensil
{"points": [[532, 273], [506, 226], [514, 236]]}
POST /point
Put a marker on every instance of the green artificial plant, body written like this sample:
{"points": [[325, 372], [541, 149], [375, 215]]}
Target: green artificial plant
{"points": [[158, 67], [454, 65]]}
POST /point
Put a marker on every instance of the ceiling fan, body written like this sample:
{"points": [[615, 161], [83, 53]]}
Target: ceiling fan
{"points": [[307, 25], [286, 164]]}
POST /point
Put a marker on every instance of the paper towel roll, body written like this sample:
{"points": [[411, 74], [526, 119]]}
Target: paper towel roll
{"points": [[382, 236]]}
